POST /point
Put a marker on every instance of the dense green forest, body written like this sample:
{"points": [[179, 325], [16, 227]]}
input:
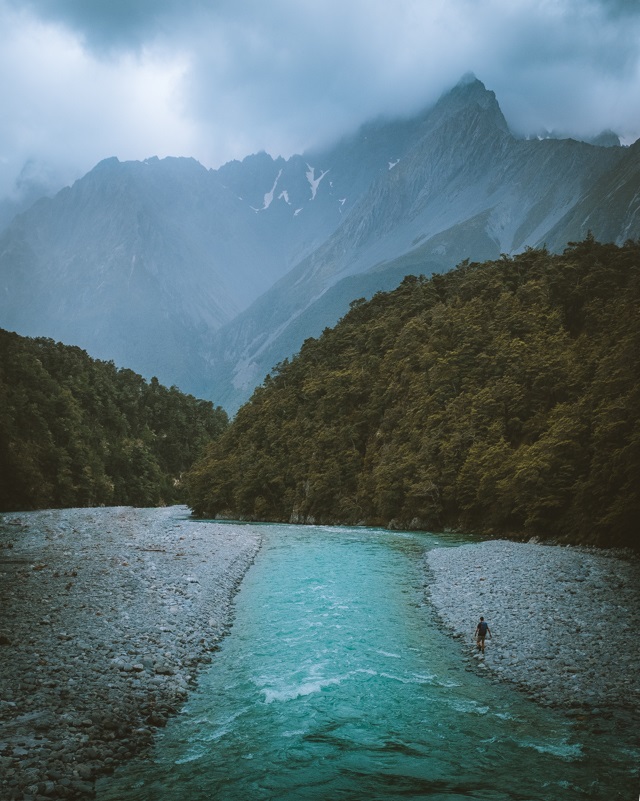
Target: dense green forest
{"points": [[501, 397], [75, 431]]}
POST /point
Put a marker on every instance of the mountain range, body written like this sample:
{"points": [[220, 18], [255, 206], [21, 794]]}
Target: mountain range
{"points": [[208, 278]]}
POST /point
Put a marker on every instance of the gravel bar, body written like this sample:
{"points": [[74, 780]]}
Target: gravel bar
{"points": [[107, 615], [565, 620]]}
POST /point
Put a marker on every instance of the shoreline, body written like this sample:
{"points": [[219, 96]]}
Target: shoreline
{"points": [[109, 615], [564, 620]]}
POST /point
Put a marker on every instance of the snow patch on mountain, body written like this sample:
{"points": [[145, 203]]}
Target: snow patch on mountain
{"points": [[268, 197], [313, 181]]}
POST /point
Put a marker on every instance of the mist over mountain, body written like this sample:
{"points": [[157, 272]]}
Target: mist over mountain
{"points": [[208, 278]]}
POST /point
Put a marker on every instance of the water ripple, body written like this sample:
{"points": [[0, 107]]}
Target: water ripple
{"points": [[337, 682]]}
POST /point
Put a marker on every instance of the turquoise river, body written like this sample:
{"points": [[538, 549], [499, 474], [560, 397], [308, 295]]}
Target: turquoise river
{"points": [[336, 682]]}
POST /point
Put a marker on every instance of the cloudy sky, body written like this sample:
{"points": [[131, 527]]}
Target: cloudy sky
{"points": [[82, 80]]}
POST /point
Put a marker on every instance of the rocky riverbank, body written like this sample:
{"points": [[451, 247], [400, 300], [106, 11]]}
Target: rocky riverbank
{"points": [[565, 621], [107, 616]]}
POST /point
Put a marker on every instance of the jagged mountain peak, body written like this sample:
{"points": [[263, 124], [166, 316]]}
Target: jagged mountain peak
{"points": [[606, 138], [470, 94], [168, 164], [337, 174], [208, 277], [468, 78], [105, 164]]}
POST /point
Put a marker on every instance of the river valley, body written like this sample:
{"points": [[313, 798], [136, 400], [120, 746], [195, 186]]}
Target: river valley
{"points": [[339, 681]]}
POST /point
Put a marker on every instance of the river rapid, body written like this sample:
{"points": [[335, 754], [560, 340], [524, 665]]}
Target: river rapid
{"points": [[338, 681]]}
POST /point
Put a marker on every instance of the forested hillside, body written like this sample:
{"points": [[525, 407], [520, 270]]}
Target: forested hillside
{"points": [[79, 432], [501, 397]]}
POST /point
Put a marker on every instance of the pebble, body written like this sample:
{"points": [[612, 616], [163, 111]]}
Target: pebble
{"points": [[564, 620], [108, 615]]}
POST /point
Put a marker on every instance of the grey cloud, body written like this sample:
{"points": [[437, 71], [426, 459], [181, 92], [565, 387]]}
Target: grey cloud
{"points": [[621, 8], [284, 75], [315, 75], [108, 24]]}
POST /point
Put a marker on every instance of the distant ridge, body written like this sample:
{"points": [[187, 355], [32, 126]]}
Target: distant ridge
{"points": [[207, 278]]}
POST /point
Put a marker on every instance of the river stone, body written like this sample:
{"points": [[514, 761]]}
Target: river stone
{"points": [[552, 646], [82, 635]]}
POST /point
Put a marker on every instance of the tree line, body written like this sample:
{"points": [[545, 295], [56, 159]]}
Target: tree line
{"points": [[75, 431], [501, 397]]}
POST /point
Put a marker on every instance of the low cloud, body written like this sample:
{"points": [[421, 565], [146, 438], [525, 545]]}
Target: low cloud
{"points": [[216, 81]]}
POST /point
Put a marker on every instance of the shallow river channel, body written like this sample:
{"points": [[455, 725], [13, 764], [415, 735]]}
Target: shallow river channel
{"points": [[336, 682]]}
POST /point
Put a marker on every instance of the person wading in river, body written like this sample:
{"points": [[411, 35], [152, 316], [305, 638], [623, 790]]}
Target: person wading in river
{"points": [[482, 629]]}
